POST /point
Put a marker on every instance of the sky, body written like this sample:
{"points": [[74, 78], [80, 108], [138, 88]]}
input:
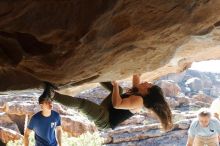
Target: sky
{"points": [[207, 66]]}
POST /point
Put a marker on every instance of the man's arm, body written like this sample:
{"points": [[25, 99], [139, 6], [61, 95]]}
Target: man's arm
{"points": [[136, 80], [59, 135], [190, 141], [26, 136]]}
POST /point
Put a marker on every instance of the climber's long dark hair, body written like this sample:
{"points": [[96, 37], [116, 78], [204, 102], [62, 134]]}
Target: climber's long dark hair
{"points": [[156, 102]]}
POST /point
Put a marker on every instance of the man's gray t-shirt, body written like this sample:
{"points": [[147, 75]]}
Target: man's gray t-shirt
{"points": [[212, 129]]}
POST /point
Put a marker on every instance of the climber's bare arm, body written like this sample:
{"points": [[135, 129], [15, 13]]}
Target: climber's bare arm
{"points": [[130, 103], [136, 79]]}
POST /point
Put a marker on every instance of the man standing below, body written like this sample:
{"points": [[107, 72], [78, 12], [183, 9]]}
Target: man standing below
{"points": [[46, 124], [204, 131]]}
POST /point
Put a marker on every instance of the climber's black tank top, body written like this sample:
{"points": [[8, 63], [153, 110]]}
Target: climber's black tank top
{"points": [[117, 116]]}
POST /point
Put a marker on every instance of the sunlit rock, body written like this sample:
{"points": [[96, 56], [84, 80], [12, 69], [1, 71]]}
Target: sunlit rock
{"points": [[76, 42]]}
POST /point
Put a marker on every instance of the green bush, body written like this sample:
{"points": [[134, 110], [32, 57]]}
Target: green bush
{"points": [[87, 139]]}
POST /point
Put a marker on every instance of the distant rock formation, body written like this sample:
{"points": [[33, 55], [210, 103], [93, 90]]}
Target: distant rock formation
{"points": [[194, 82], [170, 88]]}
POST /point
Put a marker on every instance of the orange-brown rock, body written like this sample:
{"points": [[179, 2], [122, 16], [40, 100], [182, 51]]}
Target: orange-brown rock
{"points": [[81, 41], [202, 98], [5, 121], [28, 107], [76, 127], [7, 134], [8, 129]]}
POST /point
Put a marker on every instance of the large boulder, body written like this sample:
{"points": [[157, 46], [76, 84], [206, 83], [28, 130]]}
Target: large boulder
{"points": [[69, 43], [182, 99], [202, 98], [7, 135], [147, 134], [5, 121], [169, 87], [28, 107], [76, 125], [195, 84], [215, 91], [172, 102]]}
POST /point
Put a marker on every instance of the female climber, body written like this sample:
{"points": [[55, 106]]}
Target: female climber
{"points": [[118, 106]]}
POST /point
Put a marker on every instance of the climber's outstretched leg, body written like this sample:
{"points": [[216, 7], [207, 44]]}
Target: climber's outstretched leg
{"points": [[93, 111]]}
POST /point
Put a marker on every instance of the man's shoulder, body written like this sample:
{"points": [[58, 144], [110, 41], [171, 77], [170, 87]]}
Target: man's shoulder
{"points": [[56, 114], [36, 115], [194, 123], [215, 120]]}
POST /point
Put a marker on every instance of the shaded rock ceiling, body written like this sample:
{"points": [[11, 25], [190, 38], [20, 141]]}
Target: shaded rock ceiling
{"points": [[73, 42]]}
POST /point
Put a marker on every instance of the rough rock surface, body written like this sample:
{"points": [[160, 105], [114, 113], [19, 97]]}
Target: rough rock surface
{"points": [[203, 98], [149, 134], [5, 121], [195, 84], [183, 100], [80, 41], [7, 134], [173, 138]]}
